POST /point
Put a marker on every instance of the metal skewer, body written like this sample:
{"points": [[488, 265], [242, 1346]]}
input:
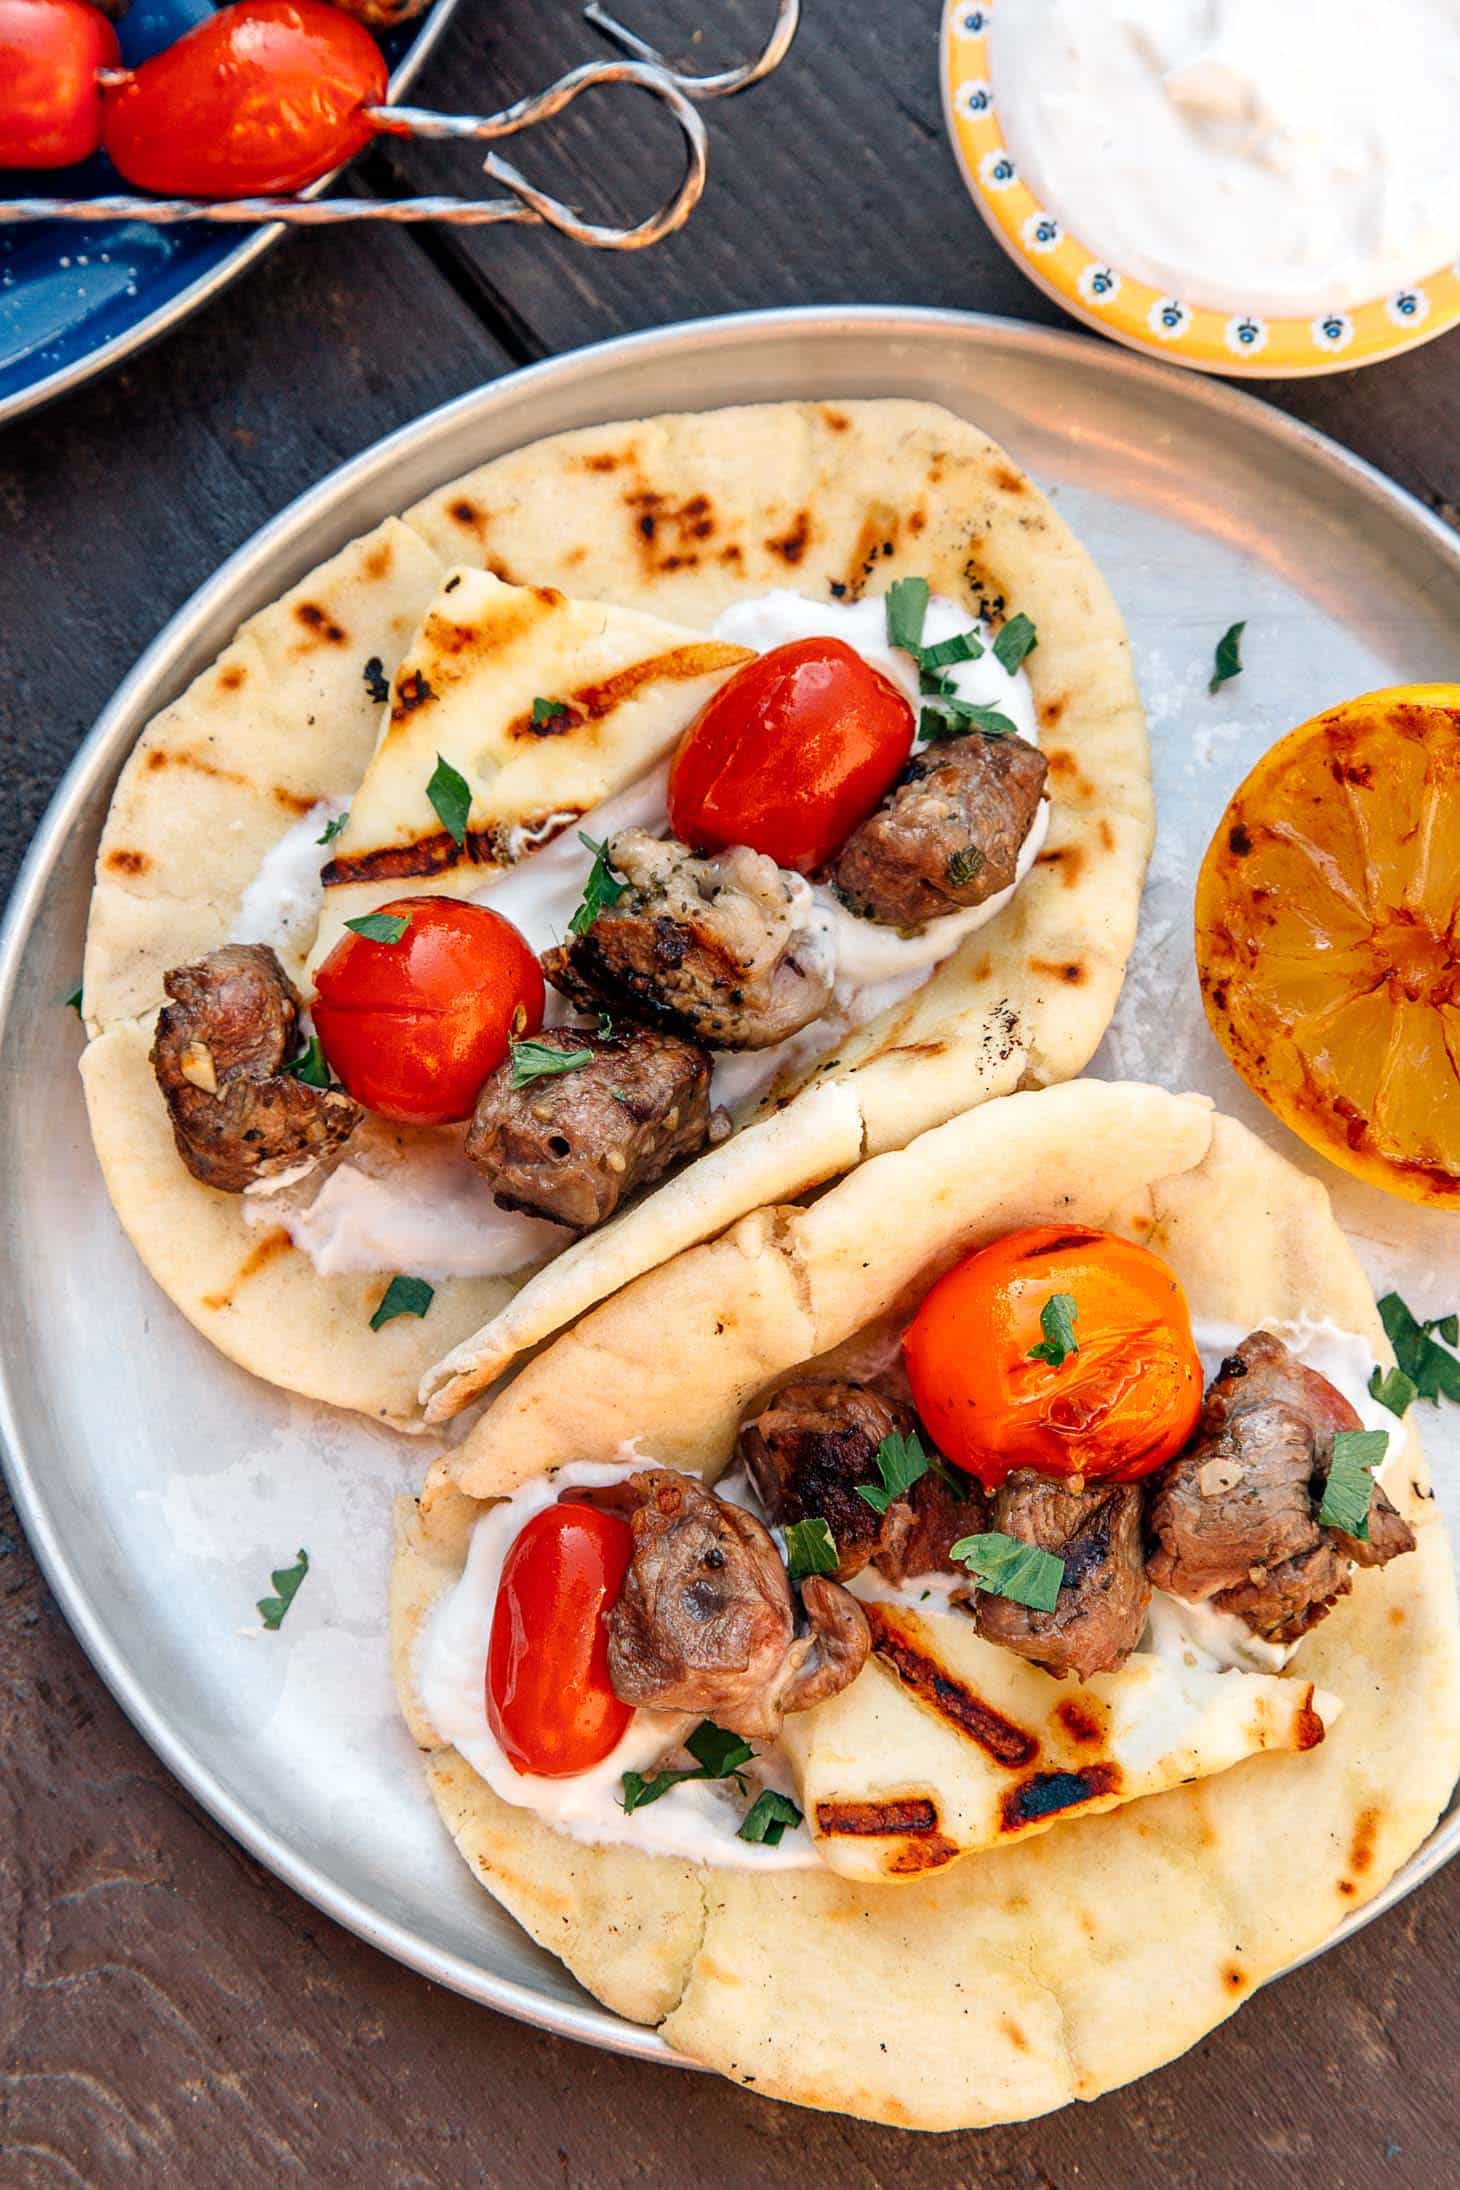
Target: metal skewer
{"points": [[718, 86], [526, 202]]}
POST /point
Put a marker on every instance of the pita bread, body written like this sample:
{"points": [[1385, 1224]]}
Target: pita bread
{"points": [[672, 519], [1060, 1966]]}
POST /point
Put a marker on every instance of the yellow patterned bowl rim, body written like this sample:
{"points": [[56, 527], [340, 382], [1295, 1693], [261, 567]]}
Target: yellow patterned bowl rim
{"points": [[1118, 304]]}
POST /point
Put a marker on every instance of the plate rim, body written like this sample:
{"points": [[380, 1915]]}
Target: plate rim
{"points": [[155, 678], [198, 292], [1226, 364]]}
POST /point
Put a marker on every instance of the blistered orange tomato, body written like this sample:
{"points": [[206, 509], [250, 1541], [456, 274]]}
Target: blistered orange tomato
{"points": [[1124, 1403]]}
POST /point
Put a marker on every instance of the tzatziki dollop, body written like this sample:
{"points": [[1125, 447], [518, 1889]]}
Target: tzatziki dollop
{"points": [[419, 1206], [1267, 156], [698, 1820]]}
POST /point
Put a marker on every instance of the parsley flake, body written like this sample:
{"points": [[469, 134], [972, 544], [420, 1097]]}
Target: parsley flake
{"points": [[907, 607], [1350, 1485], [944, 715], [1393, 1389], [74, 1000], [602, 889], [961, 866], [335, 828], [768, 1817], [286, 1580], [377, 684], [1016, 640], [1434, 1372], [1229, 657], [1005, 1567], [540, 1061], [379, 927], [1057, 1321], [718, 1754], [901, 1462], [404, 1296], [450, 796], [309, 1066], [546, 712], [964, 647], [810, 1548]]}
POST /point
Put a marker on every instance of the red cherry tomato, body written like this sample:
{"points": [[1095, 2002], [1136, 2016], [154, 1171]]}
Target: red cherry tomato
{"points": [[1122, 1405], [413, 1028], [260, 98], [50, 101], [791, 753], [550, 1702]]}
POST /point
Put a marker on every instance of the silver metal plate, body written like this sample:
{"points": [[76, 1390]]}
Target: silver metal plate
{"points": [[159, 1485]]}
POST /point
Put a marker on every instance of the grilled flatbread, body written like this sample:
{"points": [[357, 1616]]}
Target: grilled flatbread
{"points": [[1067, 1961], [671, 519]]}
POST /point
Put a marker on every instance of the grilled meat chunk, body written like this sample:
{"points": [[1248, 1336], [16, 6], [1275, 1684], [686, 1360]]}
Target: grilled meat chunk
{"points": [[812, 1443], [1235, 1517], [730, 951], [572, 1145], [1102, 1605], [706, 1619], [219, 1053], [947, 835]]}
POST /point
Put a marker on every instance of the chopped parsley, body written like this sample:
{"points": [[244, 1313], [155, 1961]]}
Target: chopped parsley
{"points": [[901, 1462], [309, 1066], [545, 712], [74, 1000], [907, 608], [1350, 1484], [1005, 1567], [1393, 1389], [1057, 1321], [718, 1754], [1429, 1366], [540, 1061], [334, 828], [1229, 657], [944, 715], [1016, 640], [962, 866], [810, 1548], [602, 889], [963, 647], [286, 1580], [377, 684], [404, 1296], [450, 796], [379, 927], [768, 1817], [605, 1025]]}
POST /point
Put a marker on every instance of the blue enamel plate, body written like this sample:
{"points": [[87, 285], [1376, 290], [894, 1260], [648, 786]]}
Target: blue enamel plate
{"points": [[75, 298]]}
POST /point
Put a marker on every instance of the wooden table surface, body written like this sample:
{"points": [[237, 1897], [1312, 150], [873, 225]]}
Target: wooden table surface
{"points": [[169, 2013]]}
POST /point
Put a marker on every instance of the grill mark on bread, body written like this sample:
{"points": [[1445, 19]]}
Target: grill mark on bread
{"points": [[270, 1247], [592, 702], [1050, 1794], [320, 622], [1009, 1745], [904, 1814]]}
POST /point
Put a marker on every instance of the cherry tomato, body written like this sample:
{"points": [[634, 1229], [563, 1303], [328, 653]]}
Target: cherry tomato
{"points": [[413, 1028], [260, 98], [550, 1702], [50, 101], [791, 753], [1122, 1405]]}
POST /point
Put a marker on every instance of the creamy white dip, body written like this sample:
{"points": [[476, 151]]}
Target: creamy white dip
{"points": [[1267, 156], [419, 1207], [698, 1821]]}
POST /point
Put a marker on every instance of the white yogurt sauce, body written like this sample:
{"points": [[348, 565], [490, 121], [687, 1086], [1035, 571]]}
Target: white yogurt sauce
{"points": [[282, 904], [698, 1821], [1200, 1632], [1270, 156], [423, 1210]]}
